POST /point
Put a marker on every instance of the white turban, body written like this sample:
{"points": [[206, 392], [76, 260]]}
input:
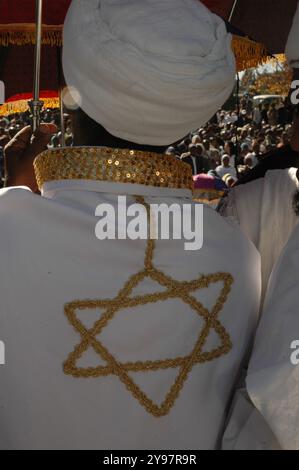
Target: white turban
{"points": [[149, 71], [292, 47]]}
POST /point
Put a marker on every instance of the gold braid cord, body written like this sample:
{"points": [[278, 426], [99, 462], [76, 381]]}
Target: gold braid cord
{"points": [[174, 290]]}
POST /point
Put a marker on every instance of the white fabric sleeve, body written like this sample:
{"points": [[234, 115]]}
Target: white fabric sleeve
{"points": [[227, 208], [273, 373], [246, 428], [242, 205]]}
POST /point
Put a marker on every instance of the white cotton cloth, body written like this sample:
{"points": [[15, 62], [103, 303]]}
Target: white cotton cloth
{"points": [[292, 47], [50, 256], [247, 429], [226, 170], [148, 71], [273, 376], [264, 210]]}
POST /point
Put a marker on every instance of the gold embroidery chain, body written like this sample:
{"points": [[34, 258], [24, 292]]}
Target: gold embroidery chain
{"points": [[174, 289]]}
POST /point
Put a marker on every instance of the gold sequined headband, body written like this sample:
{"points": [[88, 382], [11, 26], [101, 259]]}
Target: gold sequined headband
{"points": [[114, 165]]}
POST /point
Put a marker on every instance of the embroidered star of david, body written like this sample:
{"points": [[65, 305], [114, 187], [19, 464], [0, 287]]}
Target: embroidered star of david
{"points": [[125, 300]]}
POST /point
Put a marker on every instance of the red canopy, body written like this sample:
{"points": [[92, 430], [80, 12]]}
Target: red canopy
{"points": [[223, 8], [17, 21], [16, 69], [266, 21], [23, 11]]}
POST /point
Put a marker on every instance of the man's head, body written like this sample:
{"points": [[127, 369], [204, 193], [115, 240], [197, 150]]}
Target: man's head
{"points": [[193, 150], [225, 160], [248, 161], [196, 139], [145, 88], [244, 150], [171, 151], [200, 149]]}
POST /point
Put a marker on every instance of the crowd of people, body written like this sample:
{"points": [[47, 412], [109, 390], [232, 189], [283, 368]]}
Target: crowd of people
{"points": [[12, 124], [229, 146], [233, 143]]}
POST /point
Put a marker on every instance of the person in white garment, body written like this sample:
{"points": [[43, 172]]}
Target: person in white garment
{"points": [[225, 168], [114, 342], [274, 366], [264, 208], [265, 413]]}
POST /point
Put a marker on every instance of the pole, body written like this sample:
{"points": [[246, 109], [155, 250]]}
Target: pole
{"points": [[232, 11], [62, 118], [36, 104], [60, 87]]}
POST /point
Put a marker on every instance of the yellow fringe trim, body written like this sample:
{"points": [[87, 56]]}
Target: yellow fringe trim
{"points": [[22, 106], [248, 53], [281, 58], [24, 34]]}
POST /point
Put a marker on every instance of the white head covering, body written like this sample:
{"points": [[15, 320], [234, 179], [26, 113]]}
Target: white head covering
{"points": [[292, 47], [148, 71]]}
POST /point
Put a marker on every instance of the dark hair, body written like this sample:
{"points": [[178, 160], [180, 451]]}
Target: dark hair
{"points": [[88, 132], [277, 159], [231, 146]]}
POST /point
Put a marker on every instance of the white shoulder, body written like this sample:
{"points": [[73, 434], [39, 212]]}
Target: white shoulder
{"points": [[243, 206], [281, 174], [13, 190], [226, 207], [15, 198]]}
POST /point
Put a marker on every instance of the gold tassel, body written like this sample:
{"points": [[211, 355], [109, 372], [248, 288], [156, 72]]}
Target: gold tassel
{"points": [[281, 58], [21, 106], [23, 35], [248, 53]]}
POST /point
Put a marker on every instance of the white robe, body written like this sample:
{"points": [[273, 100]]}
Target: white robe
{"points": [[49, 257], [273, 379], [264, 211]]}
